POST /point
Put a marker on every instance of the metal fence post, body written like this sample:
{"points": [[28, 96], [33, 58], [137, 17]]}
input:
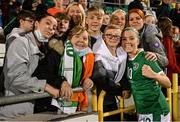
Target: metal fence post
{"points": [[175, 97]]}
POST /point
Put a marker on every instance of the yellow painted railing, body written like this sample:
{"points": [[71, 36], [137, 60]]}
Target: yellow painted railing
{"points": [[94, 100], [172, 99], [121, 109], [169, 100], [174, 92]]}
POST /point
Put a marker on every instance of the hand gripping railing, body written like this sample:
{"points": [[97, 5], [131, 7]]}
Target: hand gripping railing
{"points": [[27, 97]]}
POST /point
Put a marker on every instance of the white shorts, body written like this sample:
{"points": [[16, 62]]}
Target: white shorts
{"points": [[149, 118]]}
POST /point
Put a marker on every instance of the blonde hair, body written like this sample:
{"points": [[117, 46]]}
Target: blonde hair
{"points": [[97, 9], [117, 11], [132, 29], [76, 31], [112, 26], [82, 22]]}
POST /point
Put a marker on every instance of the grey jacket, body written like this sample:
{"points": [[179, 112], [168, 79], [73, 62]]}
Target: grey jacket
{"points": [[20, 63], [150, 41], [16, 32]]}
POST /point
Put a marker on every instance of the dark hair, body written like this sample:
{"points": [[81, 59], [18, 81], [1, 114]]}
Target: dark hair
{"points": [[62, 16], [40, 9], [41, 16], [165, 24], [136, 4], [27, 5], [23, 14]]}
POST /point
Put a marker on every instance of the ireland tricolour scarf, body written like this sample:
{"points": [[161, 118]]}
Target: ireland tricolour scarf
{"points": [[71, 68]]}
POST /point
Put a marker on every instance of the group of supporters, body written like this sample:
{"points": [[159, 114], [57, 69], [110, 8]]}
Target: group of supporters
{"points": [[57, 49]]}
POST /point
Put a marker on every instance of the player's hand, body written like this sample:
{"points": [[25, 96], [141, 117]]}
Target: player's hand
{"points": [[151, 56], [147, 71]]}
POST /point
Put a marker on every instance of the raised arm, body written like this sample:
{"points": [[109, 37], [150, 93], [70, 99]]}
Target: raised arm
{"points": [[162, 79]]}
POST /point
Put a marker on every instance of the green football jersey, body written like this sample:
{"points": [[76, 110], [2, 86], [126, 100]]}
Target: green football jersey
{"points": [[147, 94]]}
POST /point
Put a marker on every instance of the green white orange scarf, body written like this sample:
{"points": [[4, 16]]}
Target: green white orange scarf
{"points": [[71, 67]]}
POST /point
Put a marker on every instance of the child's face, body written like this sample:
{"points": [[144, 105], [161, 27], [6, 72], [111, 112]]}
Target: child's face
{"points": [[175, 33], [106, 19], [112, 37], [94, 21], [63, 25], [80, 41], [176, 30], [130, 42], [150, 20], [27, 24]]}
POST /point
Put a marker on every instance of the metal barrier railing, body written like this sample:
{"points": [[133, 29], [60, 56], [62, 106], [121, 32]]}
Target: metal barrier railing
{"points": [[27, 97], [172, 99], [94, 100], [169, 99], [121, 109], [174, 92]]}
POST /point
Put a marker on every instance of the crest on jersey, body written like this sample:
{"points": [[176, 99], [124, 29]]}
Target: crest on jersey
{"points": [[135, 66]]}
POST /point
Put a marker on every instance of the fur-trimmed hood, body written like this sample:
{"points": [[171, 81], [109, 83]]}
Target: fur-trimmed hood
{"points": [[56, 45]]}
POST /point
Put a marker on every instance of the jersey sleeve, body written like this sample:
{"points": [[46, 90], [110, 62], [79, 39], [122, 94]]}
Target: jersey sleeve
{"points": [[154, 66]]}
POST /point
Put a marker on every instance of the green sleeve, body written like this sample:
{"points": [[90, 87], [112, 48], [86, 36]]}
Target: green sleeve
{"points": [[154, 66]]}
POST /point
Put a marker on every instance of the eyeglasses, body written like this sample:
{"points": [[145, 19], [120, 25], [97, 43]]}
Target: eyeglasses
{"points": [[111, 36], [29, 20]]}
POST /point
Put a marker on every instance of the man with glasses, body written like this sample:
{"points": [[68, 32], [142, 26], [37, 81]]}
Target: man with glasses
{"points": [[26, 23]]}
